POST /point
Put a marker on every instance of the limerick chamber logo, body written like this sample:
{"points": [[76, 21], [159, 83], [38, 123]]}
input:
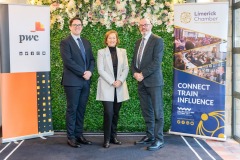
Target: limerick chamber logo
{"points": [[184, 111], [185, 17], [38, 27]]}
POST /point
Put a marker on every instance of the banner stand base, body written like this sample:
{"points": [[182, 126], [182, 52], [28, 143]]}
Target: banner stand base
{"points": [[6, 140], [198, 136]]}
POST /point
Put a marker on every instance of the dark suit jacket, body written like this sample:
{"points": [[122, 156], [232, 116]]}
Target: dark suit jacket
{"points": [[151, 61], [73, 63]]}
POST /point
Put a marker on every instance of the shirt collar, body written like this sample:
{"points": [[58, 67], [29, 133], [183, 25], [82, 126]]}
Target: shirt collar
{"points": [[75, 37], [147, 36]]}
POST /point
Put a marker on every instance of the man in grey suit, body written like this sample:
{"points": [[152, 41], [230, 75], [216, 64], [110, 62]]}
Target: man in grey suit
{"points": [[147, 70], [78, 65]]}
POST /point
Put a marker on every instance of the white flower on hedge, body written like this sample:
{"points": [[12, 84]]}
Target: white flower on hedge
{"points": [[119, 23], [117, 2], [102, 21], [85, 21], [61, 6], [152, 2], [143, 2], [72, 14], [102, 12], [112, 14], [98, 2], [167, 4], [171, 16], [137, 19], [164, 19], [154, 20], [133, 7], [108, 26], [159, 22], [171, 7], [80, 5], [147, 15], [60, 20], [161, 5], [156, 7], [71, 5], [121, 6], [169, 28], [148, 10], [52, 21], [133, 14], [54, 6], [90, 14], [165, 12], [131, 21]]}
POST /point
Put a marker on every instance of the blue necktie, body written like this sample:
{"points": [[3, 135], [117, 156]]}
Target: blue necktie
{"points": [[82, 50]]}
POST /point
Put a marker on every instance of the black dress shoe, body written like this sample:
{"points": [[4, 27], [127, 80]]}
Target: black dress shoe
{"points": [[155, 145], [115, 141], [145, 140], [83, 140], [106, 144], [73, 143]]}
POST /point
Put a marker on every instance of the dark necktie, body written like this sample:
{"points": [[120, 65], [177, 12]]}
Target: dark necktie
{"points": [[140, 53], [82, 50]]}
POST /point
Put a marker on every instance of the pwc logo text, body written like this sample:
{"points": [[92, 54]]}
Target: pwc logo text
{"points": [[38, 28]]}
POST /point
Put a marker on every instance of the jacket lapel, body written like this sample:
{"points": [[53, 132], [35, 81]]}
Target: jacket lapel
{"points": [[76, 48], [109, 59], [119, 60], [146, 48]]}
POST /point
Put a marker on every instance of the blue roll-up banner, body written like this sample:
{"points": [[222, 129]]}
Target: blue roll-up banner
{"points": [[200, 50]]}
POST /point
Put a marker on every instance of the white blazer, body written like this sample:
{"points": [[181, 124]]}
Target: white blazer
{"points": [[105, 89]]}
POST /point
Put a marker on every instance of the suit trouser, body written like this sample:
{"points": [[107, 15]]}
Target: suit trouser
{"points": [[111, 116], [151, 101], [77, 98]]}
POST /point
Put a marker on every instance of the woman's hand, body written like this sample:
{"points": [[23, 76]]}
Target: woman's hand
{"points": [[117, 83]]}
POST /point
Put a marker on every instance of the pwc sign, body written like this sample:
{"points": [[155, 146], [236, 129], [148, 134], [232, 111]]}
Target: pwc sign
{"points": [[38, 27]]}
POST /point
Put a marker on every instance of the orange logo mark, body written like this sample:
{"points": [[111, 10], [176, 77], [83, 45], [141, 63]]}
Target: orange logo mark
{"points": [[38, 27]]}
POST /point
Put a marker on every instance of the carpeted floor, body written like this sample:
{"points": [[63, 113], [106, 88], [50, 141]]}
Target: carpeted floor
{"points": [[56, 148]]}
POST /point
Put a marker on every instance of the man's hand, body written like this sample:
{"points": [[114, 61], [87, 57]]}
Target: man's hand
{"points": [[87, 75], [138, 76]]}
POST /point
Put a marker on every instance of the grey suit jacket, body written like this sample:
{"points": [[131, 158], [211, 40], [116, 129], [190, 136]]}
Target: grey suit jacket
{"points": [[105, 89], [151, 61]]}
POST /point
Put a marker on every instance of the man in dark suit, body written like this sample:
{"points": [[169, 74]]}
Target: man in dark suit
{"points": [[78, 65], [147, 70]]}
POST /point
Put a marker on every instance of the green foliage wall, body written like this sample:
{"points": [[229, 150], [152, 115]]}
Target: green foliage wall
{"points": [[130, 114]]}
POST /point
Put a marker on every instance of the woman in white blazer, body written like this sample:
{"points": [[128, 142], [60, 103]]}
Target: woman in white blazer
{"points": [[112, 64]]}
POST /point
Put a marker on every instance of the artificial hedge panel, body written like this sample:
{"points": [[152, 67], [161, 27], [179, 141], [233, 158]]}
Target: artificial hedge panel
{"points": [[130, 114]]}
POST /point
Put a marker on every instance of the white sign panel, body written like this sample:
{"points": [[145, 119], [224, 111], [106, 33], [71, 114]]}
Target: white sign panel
{"points": [[203, 17], [29, 36]]}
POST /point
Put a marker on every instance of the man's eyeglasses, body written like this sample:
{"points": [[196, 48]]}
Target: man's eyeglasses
{"points": [[76, 25], [143, 25]]}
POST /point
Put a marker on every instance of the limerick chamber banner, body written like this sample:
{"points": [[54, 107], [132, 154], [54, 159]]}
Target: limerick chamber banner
{"points": [[200, 49], [25, 99]]}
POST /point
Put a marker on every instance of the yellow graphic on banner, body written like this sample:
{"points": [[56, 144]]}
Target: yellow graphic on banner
{"points": [[217, 125]]}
